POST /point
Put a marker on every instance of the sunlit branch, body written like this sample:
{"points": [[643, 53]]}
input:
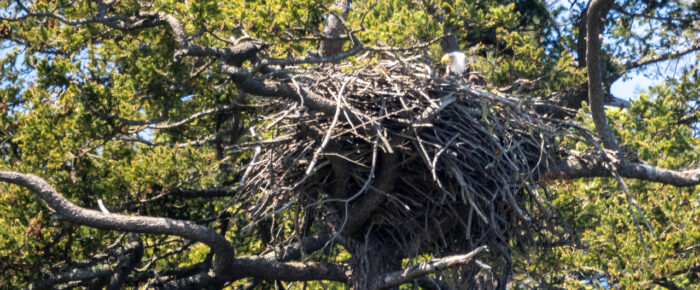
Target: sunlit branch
{"points": [[151, 225], [581, 166], [415, 271]]}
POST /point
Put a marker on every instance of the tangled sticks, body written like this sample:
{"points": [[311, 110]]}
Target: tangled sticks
{"points": [[413, 161]]}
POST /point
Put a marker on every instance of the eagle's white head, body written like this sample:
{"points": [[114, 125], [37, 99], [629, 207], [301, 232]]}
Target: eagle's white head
{"points": [[456, 62]]}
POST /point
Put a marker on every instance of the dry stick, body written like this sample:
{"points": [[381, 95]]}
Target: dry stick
{"points": [[473, 205], [417, 270], [345, 112], [347, 201], [327, 138], [298, 90], [433, 166]]}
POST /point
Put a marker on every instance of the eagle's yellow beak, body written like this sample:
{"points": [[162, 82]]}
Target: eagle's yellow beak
{"points": [[446, 59]]}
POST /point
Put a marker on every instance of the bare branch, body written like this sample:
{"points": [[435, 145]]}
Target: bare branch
{"points": [[192, 117], [73, 275], [150, 225], [415, 271], [289, 271], [656, 58], [154, 123], [236, 54], [593, 166]]}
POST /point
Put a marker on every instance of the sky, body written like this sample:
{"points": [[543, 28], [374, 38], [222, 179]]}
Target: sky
{"points": [[637, 82]]}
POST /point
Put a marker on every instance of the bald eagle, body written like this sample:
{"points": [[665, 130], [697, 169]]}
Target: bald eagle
{"points": [[456, 62]]}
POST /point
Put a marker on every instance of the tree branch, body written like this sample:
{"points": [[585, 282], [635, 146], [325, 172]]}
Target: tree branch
{"points": [[269, 88], [414, 271], [81, 274], [149, 225], [154, 123], [232, 58], [654, 59], [267, 269], [237, 54], [581, 166]]}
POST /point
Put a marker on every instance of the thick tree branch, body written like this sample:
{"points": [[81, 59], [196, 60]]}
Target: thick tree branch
{"points": [[596, 10], [81, 274], [268, 266], [581, 37], [269, 88], [224, 263], [236, 54], [593, 166], [663, 282], [415, 271], [264, 269], [179, 273], [267, 269], [149, 225]]}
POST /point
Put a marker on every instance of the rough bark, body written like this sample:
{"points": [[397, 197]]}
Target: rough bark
{"points": [[269, 269]]}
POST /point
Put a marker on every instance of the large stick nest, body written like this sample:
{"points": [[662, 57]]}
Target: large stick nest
{"points": [[462, 164]]}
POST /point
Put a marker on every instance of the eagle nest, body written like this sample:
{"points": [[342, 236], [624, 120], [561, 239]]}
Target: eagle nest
{"points": [[414, 162]]}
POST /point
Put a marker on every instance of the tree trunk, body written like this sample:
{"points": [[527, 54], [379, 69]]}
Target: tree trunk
{"points": [[581, 39]]}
